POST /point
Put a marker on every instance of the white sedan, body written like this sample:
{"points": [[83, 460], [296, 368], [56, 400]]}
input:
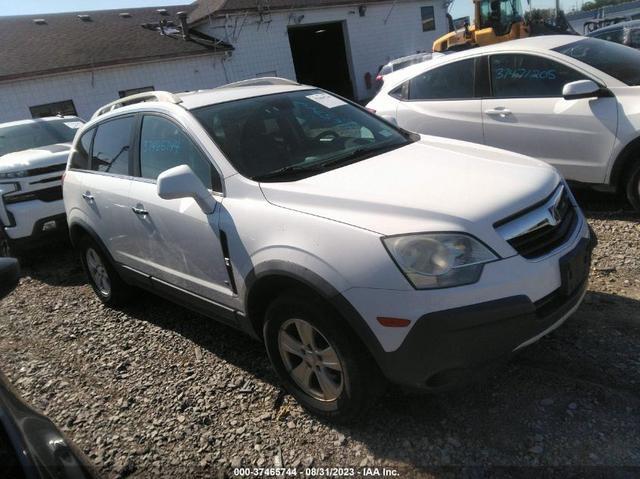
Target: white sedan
{"points": [[573, 102]]}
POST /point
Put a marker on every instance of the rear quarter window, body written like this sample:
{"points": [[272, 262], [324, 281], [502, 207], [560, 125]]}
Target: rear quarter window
{"points": [[80, 155]]}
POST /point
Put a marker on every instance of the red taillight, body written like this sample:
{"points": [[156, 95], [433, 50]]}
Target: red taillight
{"points": [[393, 322], [371, 110], [379, 78]]}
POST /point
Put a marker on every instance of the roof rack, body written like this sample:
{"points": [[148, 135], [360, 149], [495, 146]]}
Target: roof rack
{"points": [[138, 98], [260, 81]]}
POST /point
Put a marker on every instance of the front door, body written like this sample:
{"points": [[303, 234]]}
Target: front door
{"points": [[527, 114], [179, 244]]}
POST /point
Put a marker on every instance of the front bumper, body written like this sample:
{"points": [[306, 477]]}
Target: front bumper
{"points": [[443, 347]]}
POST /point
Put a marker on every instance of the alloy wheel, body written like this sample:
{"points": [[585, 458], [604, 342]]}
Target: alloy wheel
{"points": [[310, 360], [98, 272]]}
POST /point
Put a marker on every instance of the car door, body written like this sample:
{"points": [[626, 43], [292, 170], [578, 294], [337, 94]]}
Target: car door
{"points": [[527, 114], [104, 188], [442, 101], [178, 243]]}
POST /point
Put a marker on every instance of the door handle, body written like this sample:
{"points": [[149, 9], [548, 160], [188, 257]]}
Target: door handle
{"points": [[139, 211], [88, 197], [502, 112]]}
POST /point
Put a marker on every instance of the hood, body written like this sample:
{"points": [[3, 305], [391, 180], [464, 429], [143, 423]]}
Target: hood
{"points": [[435, 184], [35, 158]]}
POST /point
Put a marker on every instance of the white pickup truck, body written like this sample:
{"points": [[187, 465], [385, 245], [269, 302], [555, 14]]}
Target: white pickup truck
{"points": [[33, 156]]}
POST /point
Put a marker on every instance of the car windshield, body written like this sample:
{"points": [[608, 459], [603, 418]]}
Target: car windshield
{"points": [[36, 134], [618, 61], [291, 135]]}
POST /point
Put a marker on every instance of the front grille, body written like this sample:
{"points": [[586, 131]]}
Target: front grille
{"points": [[47, 195], [542, 228], [46, 169]]}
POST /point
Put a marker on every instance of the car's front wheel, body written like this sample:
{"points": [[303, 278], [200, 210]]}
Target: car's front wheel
{"points": [[633, 187], [318, 358], [103, 278]]}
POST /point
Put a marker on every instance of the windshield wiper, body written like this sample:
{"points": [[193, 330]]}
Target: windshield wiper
{"points": [[293, 170]]}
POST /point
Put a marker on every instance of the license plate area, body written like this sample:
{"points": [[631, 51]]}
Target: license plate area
{"points": [[574, 267]]}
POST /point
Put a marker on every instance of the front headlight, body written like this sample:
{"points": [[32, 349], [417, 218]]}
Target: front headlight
{"points": [[439, 260], [14, 174]]}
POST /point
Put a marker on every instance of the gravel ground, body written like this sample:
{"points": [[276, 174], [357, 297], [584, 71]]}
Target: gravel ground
{"points": [[154, 390]]}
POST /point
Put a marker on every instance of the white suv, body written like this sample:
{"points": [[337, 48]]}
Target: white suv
{"points": [[33, 157], [569, 101], [355, 250]]}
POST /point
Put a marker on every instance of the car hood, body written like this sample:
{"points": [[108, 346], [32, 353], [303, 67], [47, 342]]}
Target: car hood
{"points": [[435, 184], [35, 157]]}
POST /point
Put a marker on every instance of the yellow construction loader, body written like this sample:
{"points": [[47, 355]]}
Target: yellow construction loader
{"points": [[497, 21]]}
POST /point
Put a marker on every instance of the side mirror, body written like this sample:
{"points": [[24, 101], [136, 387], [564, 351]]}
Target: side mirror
{"points": [[182, 182], [9, 275], [582, 89]]}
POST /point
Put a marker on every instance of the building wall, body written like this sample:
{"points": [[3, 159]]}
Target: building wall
{"points": [[262, 48], [90, 90]]}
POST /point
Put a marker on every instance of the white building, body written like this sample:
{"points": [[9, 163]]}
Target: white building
{"points": [[76, 62]]}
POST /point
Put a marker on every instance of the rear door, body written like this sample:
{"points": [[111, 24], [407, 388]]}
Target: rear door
{"points": [[527, 114], [178, 243], [443, 101], [103, 194]]}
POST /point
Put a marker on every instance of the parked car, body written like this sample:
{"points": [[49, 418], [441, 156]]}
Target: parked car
{"points": [[31, 446], [403, 62], [354, 249], [625, 33], [566, 100], [33, 156]]}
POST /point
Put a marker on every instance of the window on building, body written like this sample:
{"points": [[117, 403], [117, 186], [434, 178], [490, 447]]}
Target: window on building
{"points": [[65, 107], [518, 75], [80, 156], [448, 82], [133, 91], [164, 145], [110, 152], [428, 19]]}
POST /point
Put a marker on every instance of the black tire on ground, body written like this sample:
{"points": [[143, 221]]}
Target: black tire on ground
{"points": [[98, 267], [633, 186], [360, 381]]}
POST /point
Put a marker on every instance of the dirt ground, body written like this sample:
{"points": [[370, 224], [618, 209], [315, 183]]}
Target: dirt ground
{"points": [[154, 390]]}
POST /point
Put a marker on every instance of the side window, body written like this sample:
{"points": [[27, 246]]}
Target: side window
{"points": [[517, 75], [448, 82], [110, 153], [164, 145], [80, 157], [615, 35]]}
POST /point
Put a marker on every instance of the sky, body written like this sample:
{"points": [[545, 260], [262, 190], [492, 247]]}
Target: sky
{"points": [[459, 8]]}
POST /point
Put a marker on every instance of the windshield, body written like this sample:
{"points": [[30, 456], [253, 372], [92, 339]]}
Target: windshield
{"points": [[618, 61], [500, 14], [36, 134], [295, 134]]}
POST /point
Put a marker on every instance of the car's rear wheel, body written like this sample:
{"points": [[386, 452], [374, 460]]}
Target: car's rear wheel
{"points": [[633, 186], [318, 358], [103, 277]]}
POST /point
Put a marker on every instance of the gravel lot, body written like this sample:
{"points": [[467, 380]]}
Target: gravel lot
{"points": [[157, 391]]}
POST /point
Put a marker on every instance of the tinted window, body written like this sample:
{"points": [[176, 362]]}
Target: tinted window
{"points": [[615, 35], [295, 134], [617, 60], [164, 145], [80, 157], [514, 75], [111, 146], [36, 134], [633, 38], [452, 81]]}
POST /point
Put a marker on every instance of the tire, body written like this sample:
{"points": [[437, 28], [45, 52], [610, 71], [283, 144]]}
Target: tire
{"points": [[340, 392], [102, 276], [633, 187]]}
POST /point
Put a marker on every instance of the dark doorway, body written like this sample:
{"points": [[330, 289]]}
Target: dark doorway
{"points": [[320, 57]]}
